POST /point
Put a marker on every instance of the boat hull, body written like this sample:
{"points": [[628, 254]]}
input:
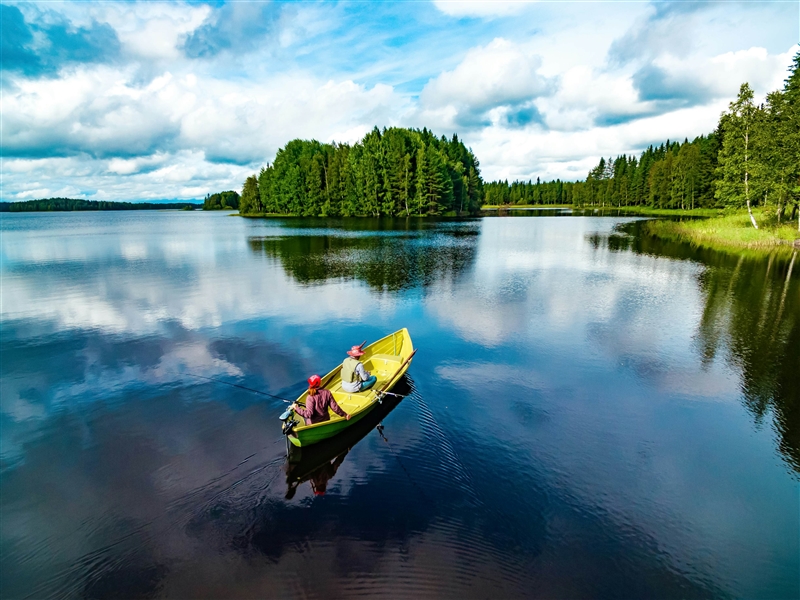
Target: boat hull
{"points": [[388, 359]]}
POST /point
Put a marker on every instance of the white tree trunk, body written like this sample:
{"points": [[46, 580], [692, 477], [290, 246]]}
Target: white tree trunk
{"points": [[750, 212]]}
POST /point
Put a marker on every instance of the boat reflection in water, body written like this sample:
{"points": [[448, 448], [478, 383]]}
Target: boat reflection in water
{"points": [[318, 463]]}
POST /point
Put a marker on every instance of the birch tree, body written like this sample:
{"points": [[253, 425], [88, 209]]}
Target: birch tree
{"points": [[736, 156]]}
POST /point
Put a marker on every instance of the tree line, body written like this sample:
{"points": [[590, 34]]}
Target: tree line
{"points": [[70, 204], [526, 192], [390, 172], [752, 158], [221, 201]]}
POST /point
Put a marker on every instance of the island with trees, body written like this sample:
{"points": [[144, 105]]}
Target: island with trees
{"points": [[392, 172]]}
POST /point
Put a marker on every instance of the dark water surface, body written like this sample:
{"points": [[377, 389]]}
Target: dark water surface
{"points": [[591, 413]]}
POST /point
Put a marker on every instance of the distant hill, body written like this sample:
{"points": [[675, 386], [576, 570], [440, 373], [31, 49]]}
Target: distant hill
{"points": [[70, 204]]}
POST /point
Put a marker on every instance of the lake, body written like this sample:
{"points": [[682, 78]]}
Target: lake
{"points": [[592, 413]]}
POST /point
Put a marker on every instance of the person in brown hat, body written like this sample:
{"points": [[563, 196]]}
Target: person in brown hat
{"points": [[355, 378]]}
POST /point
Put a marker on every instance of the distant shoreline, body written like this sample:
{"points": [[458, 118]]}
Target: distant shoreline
{"points": [[75, 205]]}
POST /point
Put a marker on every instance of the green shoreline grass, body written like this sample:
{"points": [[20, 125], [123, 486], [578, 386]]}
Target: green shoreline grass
{"points": [[647, 211], [292, 216], [719, 229], [616, 210], [516, 206], [731, 232]]}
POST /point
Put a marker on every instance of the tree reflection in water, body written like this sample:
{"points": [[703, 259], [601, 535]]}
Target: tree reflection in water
{"points": [[751, 318], [402, 253]]}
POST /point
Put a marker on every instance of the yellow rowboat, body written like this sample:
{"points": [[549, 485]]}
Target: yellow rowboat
{"points": [[387, 359]]}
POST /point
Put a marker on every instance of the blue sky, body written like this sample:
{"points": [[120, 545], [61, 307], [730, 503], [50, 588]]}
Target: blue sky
{"points": [[145, 100]]}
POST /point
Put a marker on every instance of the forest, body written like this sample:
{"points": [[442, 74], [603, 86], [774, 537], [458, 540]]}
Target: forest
{"points": [[752, 158], [70, 204], [221, 201], [393, 172]]}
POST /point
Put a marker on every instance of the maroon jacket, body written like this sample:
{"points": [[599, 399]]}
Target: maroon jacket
{"points": [[316, 410]]}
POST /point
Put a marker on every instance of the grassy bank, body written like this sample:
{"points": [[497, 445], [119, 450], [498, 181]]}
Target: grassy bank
{"points": [[646, 211], [731, 231], [617, 210], [516, 206]]}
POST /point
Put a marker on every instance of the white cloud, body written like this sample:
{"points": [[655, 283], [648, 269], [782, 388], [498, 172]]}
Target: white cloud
{"points": [[570, 154], [720, 76], [183, 120], [461, 8], [154, 30], [499, 74]]}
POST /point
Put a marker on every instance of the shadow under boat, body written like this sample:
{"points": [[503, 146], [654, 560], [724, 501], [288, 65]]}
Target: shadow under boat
{"points": [[318, 463]]}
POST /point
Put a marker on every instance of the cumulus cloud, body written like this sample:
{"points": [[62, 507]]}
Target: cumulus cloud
{"points": [[36, 49], [152, 32], [476, 8], [183, 175], [105, 115], [570, 153], [500, 75], [237, 26], [695, 80]]}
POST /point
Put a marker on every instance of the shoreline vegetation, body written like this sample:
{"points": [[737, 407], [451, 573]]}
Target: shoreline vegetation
{"points": [[730, 232], [751, 160], [715, 228], [644, 211], [72, 204]]}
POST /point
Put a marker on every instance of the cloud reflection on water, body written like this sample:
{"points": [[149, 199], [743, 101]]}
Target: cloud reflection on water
{"points": [[596, 454]]}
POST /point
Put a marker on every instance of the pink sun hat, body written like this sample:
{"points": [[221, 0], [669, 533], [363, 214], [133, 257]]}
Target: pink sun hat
{"points": [[355, 351]]}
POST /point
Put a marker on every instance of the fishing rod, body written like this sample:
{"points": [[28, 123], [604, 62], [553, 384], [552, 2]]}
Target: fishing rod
{"points": [[391, 394]]}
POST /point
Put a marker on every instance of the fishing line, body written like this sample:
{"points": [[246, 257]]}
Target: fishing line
{"points": [[403, 467], [241, 387]]}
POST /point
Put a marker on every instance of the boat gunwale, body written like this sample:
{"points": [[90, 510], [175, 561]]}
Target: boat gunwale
{"points": [[372, 395]]}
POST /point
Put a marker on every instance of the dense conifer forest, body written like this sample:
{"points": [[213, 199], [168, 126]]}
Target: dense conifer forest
{"points": [[70, 204], [389, 172], [752, 158]]}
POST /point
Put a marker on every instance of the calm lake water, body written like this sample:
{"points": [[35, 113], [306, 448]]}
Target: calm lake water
{"points": [[591, 413]]}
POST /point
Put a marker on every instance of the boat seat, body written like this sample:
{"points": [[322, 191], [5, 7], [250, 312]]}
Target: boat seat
{"points": [[384, 360]]}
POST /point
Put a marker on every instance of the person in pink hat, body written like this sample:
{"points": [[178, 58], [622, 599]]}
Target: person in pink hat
{"points": [[355, 378]]}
